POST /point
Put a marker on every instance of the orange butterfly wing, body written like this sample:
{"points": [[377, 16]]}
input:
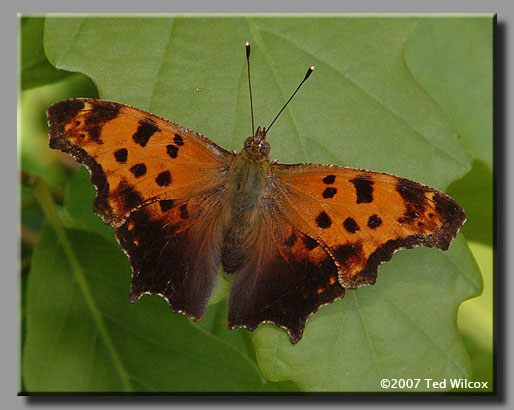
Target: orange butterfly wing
{"points": [[135, 157], [324, 228], [160, 185], [362, 217]]}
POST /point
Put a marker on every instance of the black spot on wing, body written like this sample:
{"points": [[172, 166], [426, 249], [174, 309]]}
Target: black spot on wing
{"points": [[309, 243], [138, 170], [413, 195], [121, 155], [101, 112], [144, 131], [374, 221], [323, 220], [364, 189], [172, 150], [409, 215], [178, 139], [163, 179], [166, 204], [329, 179], [350, 225], [329, 192]]}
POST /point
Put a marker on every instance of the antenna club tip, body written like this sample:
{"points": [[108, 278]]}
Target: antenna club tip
{"points": [[247, 49], [247, 44], [309, 71]]}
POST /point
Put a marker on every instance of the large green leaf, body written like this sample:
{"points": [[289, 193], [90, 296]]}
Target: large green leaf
{"points": [[65, 351], [360, 108], [452, 58], [475, 193]]}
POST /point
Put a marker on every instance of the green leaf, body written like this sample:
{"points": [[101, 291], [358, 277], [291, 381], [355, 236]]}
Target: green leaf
{"points": [[64, 349], [476, 319], [78, 203], [35, 68], [474, 193], [361, 108], [452, 58]]}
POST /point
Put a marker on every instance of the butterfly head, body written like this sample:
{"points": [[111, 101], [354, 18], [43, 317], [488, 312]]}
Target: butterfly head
{"points": [[257, 143], [256, 147]]}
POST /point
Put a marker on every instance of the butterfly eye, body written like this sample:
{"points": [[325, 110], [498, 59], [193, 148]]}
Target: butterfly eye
{"points": [[248, 142], [264, 147]]}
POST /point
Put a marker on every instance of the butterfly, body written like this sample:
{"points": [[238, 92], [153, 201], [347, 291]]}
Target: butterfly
{"points": [[294, 237]]}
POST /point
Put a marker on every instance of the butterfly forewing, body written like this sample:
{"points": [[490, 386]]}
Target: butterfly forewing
{"points": [[135, 157], [362, 217]]}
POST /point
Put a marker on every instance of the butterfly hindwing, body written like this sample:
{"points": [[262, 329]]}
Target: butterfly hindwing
{"points": [[174, 250], [361, 217], [286, 276]]}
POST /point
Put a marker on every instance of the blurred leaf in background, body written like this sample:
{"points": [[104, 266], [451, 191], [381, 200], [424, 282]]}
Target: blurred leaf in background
{"points": [[35, 68], [374, 102]]}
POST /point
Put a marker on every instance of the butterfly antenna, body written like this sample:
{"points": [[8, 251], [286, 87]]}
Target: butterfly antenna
{"points": [[250, 83], [309, 71]]}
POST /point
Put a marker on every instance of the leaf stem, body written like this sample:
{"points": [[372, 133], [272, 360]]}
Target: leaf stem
{"points": [[43, 195]]}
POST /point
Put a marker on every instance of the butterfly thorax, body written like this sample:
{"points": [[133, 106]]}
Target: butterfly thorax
{"points": [[249, 172]]}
